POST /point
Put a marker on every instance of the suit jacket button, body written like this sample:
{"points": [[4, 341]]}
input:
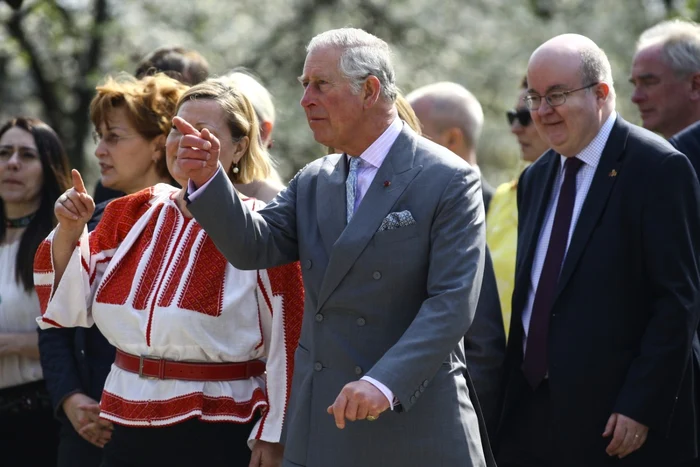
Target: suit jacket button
{"points": [[307, 264], [377, 275], [361, 321], [319, 317], [413, 399], [358, 370], [417, 394], [425, 383], [318, 366]]}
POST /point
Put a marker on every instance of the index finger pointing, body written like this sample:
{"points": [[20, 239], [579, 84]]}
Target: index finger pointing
{"points": [[184, 127], [78, 182]]}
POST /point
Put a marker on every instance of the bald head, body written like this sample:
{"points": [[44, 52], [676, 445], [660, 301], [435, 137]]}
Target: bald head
{"points": [[450, 115], [576, 53], [570, 92]]}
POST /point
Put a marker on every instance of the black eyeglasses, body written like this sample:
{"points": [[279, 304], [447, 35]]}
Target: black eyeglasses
{"points": [[554, 99], [522, 115]]}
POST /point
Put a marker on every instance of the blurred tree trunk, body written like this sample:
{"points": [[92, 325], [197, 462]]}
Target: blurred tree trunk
{"points": [[65, 101]]}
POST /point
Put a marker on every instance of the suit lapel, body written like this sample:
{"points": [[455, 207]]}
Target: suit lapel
{"points": [[596, 199], [330, 196], [397, 169], [531, 231]]}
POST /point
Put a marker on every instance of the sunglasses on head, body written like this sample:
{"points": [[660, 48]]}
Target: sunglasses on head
{"points": [[523, 117]]}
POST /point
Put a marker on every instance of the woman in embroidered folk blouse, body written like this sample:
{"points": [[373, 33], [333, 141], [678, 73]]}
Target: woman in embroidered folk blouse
{"points": [[33, 174], [156, 286]]}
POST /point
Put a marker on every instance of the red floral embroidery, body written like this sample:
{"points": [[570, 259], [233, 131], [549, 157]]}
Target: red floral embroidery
{"points": [[119, 217], [161, 247], [44, 293], [137, 411], [208, 275], [42, 258], [182, 259]]}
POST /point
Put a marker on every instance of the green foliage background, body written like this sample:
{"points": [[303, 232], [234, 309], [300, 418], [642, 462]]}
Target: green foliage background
{"points": [[54, 52]]}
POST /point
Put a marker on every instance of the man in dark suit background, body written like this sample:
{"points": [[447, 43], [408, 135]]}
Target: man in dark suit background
{"points": [[451, 116], [607, 282]]}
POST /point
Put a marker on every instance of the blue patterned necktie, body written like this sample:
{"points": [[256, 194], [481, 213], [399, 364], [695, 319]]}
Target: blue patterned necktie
{"points": [[351, 187]]}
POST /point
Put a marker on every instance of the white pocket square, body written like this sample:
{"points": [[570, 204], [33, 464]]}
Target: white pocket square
{"points": [[396, 220]]}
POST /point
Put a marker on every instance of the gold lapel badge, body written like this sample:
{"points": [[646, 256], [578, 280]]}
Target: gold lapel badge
{"points": [[613, 173]]}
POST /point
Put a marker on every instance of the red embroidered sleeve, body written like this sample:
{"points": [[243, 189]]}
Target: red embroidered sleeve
{"points": [[285, 283]]}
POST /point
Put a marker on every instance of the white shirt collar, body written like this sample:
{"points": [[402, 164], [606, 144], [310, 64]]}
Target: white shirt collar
{"points": [[375, 154], [592, 153]]}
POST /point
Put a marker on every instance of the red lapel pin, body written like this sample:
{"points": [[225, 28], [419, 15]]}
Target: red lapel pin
{"points": [[386, 183]]}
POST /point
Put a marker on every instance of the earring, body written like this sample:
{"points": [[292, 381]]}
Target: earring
{"points": [[235, 168]]}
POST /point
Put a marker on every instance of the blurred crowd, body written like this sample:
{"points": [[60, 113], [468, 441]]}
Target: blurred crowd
{"points": [[197, 309]]}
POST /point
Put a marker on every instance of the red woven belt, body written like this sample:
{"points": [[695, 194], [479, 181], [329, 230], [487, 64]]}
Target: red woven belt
{"points": [[148, 367]]}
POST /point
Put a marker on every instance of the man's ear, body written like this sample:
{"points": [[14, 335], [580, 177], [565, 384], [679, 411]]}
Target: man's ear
{"points": [[602, 91], [695, 86], [453, 139], [371, 91], [266, 133]]}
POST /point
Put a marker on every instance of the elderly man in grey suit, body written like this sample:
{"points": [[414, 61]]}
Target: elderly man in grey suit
{"points": [[390, 236]]}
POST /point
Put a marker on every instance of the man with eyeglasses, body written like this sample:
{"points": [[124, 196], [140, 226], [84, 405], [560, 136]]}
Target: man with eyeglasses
{"points": [[607, 282]]}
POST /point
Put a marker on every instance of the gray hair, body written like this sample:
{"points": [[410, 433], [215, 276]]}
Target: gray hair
{"points": [[363, 54], [680, 42], [595, 67], [257, 94], [452, 105]]}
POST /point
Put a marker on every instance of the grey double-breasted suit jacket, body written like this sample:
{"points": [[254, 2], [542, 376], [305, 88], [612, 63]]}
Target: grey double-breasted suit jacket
{"points": [[393, 305]]}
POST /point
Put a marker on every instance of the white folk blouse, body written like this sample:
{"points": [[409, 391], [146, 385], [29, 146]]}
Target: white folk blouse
{"points": [[155, 285], [19, 310]]}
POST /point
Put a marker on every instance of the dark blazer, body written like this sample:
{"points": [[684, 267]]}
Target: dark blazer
{"points": [[626, 306], [687, 141], [487, 192], [75, 359], [485, 347]]}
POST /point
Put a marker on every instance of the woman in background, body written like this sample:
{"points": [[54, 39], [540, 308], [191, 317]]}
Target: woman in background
{"points": [[33, 174]]}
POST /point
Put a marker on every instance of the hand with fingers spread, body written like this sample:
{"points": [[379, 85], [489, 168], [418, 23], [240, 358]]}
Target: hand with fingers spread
{"points": [[359, 400], [628, 435], [74, 208], [197, 153]]}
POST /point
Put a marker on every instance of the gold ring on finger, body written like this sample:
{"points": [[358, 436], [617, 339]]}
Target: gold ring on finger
{"points": [[371, 418]]}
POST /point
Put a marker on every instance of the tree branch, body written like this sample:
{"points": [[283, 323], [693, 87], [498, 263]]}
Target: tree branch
{"points": [[83, 88], [44, 85]]}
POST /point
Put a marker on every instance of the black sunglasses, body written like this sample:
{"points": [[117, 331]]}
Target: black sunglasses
{"points": [[523, 117]]}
